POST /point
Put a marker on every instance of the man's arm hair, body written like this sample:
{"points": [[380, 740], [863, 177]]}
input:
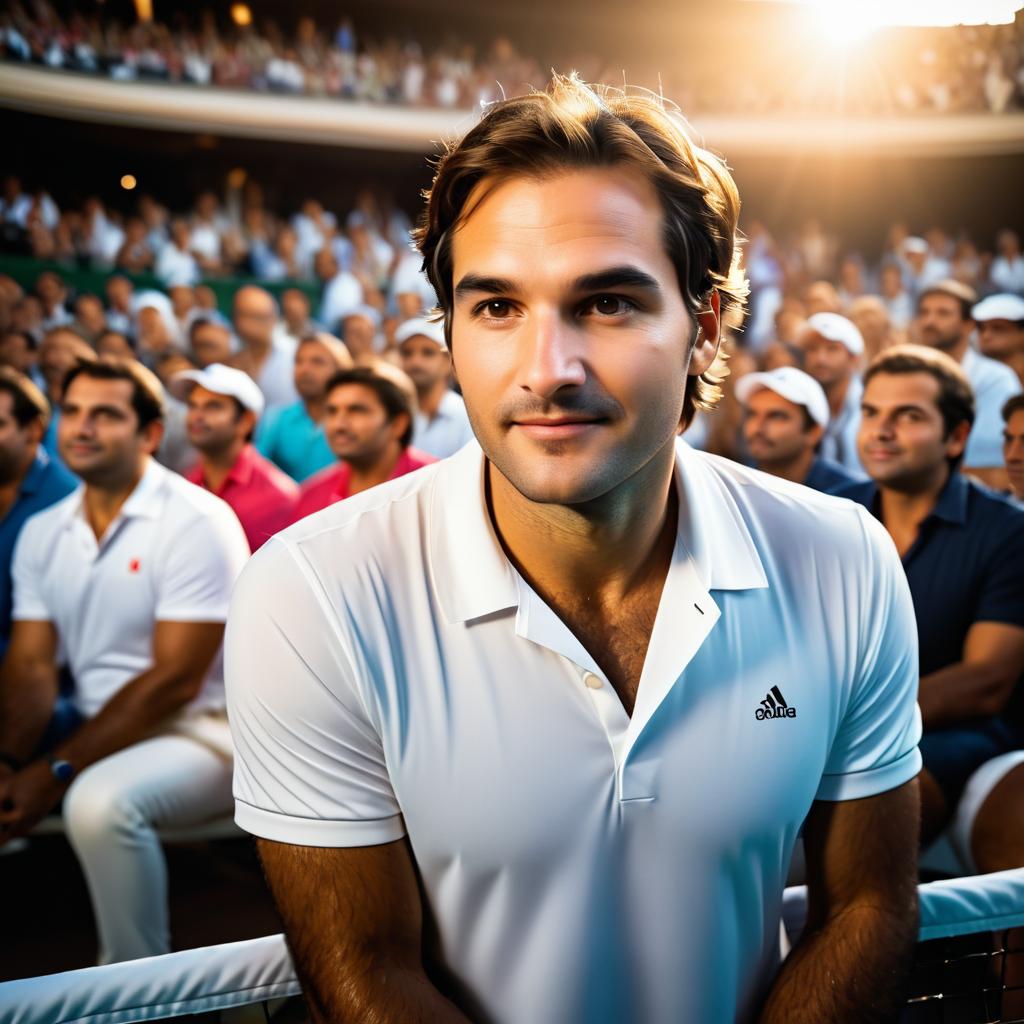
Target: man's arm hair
{"points": [[182, 654], [28, 687], [981, 683], [853, 958], [353, 920]]}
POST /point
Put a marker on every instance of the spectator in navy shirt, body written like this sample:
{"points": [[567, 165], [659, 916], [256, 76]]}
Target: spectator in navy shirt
{"points": [[29, 479], [962, 547], [785, 413]]}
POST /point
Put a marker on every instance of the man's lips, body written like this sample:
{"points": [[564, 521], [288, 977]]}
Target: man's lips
{"points": [[881, 453], [557, 428]]}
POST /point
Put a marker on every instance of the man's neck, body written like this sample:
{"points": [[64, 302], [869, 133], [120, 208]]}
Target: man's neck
{"points": [[10, 489], [364, 475], [836, 394], [430, 400], [959, 349], [216, 466], [103, 502], [314, 408], [605, 549], [795, 469], [903, 511]]}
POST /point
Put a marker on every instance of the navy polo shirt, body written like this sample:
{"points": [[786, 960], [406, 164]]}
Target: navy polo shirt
{"points": [[829, 477], [46, 482], [966, 566]]}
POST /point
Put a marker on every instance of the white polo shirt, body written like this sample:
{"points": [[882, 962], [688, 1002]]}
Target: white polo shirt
{"points": [[172, 555], [390, 673], [447, 432]]}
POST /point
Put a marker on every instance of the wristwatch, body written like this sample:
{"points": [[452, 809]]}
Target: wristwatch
{"points": [[63, 771]]}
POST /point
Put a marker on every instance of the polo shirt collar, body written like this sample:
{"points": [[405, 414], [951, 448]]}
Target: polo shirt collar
{"points": [[145, 502], [474, 578], [36, 472], [245, 465], [951, 505]]}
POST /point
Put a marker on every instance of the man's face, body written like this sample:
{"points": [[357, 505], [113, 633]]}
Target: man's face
{"points": [[50, 288], [314, 367], [358, 332], [183, 298], [356, 424], [1000, 339], [60, 351], [255, 316], [295, 307], [98, 432], [17, 443], [424, 361], [828, 362], [775, 429], [1013, 451], [89, 313], [891, 281], [15, 352], [573, 366], [939, 322], [119, 293], [902, 440], [211, 343], [214, 422]]}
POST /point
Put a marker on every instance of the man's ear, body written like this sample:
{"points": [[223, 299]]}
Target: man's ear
{"points": [[956, 442], [705, 347]]}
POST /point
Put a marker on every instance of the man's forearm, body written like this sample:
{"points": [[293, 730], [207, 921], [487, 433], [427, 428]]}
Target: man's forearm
{"points": [[852, 970], [962, 691], [27, 695], [131, 715], [384, 993]]}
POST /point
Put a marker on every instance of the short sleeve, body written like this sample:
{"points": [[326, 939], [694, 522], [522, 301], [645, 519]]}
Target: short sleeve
{"points": [[200, 568], [309, 764], [875, 747], [1002, 594], [26, 576]]}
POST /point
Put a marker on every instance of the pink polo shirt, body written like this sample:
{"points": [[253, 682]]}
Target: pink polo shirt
{"points": [[261, 495], [332, 484]]}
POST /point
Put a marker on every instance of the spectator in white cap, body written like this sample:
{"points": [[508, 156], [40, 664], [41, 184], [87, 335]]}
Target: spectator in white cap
{"points": [[1000, 324], [785, 413], [945, 321], [441, 426], [832, 348], [224, 405], [921, 267]]}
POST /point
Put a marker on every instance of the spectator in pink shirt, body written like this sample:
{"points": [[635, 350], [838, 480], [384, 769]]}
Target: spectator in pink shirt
{"points": [[368, 421], [223, 407]]}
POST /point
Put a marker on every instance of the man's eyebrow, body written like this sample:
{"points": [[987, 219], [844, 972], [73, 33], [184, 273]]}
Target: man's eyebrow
{"points": [[479, 283], [602, 280]]}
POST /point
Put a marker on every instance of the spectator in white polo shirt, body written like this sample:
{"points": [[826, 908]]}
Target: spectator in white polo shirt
{"points": [[832, 350], [785, 413], [1000, 323], [570, 695], [441, 427], [944, 321], [128, 577]]}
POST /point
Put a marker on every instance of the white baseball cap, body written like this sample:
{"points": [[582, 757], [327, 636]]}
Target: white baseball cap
{"points": [[434, 330], [791, 384], [836, 328], [221, 380], [1005, 306], [914, 244]]}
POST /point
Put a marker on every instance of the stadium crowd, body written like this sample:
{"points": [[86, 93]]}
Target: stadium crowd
{"points": [[288, 406], [966, 68]]}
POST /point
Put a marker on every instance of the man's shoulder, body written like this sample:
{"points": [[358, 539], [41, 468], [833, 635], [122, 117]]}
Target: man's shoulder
{"points": [[986, 372], [995, 513], [190, 505], [272, 477], [42, 525]]}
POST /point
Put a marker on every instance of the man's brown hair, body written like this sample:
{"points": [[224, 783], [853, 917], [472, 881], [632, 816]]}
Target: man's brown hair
{"points": [[956, 396], [574, 126], [147, 391], [28, 403], [965, 296]]}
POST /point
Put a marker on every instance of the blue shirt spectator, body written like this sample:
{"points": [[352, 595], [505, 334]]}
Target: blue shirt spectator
{"points": [[291, 440]]}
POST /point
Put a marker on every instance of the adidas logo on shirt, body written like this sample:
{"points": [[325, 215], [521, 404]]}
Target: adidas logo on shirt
{"points": [[774, 706]]}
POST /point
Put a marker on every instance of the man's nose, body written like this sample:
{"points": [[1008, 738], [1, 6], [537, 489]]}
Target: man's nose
{"points": [[553, 354]]}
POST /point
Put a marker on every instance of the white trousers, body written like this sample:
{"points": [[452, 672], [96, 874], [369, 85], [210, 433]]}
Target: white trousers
{"points": [[111, 813]]}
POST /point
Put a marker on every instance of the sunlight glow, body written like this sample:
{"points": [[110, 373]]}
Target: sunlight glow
{"points": [[849, 20]]}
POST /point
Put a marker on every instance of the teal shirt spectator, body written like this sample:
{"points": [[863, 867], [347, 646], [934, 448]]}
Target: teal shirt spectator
{"points": [[46, 482], [291, 440]]}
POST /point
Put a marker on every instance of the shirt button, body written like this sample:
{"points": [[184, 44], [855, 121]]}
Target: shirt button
{"points": [[593, 682]]}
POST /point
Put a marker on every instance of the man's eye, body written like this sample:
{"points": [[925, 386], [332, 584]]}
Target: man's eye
{"points": [[610, 305], [495, 309]]}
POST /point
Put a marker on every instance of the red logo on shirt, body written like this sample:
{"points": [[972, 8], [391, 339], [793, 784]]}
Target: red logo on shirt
{"points": [[134, 565]]}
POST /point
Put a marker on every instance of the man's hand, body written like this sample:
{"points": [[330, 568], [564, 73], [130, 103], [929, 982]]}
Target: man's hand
{"points": [[852, 960], [26, 797]]}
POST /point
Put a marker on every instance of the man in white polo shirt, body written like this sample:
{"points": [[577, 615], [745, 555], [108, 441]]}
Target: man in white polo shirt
{"points": [[128, 578], [441, 427], [557, 707]]}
